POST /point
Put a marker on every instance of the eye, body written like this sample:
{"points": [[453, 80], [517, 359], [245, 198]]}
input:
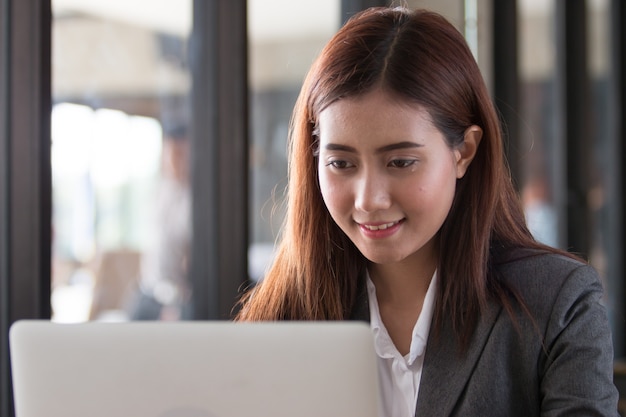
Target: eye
{"points": [[340, 164], [402, 163]]}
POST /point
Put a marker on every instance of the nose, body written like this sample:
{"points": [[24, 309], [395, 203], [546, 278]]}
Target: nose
{"points": [[372, 193]]}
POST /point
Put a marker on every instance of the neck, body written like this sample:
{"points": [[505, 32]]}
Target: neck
{"points": [[402, 283]]}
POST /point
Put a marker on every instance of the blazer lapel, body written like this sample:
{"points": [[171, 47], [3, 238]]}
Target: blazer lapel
{"points": [[446, 371]]}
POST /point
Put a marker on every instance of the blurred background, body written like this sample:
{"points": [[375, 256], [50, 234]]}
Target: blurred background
{"points": [[144, 142]]}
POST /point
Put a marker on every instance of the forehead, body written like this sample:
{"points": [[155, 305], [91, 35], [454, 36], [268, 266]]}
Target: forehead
{"points": [[376, 116]]}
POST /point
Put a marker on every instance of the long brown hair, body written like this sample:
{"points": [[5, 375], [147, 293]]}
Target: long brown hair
{"points": [[419, 57]]}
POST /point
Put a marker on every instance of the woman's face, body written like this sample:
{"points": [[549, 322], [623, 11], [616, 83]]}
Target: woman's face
{"points": [[387, 175]]}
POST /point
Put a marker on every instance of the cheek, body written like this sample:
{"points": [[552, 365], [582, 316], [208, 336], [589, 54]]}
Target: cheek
{"points": [[445, 191], [334, 193], [328, 189], [436, 190]]}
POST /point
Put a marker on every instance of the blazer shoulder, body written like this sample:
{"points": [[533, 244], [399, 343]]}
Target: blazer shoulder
{"points": [[542, 277], [518, 264]]}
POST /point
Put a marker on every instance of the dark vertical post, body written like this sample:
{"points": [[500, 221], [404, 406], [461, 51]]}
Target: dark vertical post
{"points": [[6, 400], [25, 173], [5, 321], [506, 79], [575, 98], [219, 164], [617, 254]]}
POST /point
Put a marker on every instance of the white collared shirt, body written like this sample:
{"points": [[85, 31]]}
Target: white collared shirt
{"points": [[400, 375]]}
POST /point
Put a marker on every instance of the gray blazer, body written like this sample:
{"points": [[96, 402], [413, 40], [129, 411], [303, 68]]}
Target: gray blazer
{"points": [[560, 365]]}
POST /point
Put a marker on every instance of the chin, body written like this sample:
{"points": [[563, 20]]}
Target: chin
{"points": [[382, 259]]}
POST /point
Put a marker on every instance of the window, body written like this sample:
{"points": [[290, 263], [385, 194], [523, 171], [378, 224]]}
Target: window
{"points": [[120, 160], [284, 41]]}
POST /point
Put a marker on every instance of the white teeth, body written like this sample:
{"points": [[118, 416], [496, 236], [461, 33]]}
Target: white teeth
{"points": [[380, 226]]}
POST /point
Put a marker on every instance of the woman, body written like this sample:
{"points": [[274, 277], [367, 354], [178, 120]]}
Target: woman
{"points": [[401, 212]]}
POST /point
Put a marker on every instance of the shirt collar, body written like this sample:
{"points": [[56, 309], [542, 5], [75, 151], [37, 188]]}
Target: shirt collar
{"points": [[382, 341]]}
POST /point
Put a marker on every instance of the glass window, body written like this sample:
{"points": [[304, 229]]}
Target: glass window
{"points": [[604, 196], [283, 42], [540, 153], [121, 199], [543, 146]]}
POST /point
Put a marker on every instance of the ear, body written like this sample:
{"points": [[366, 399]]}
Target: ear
{"points": [[466, 151]]}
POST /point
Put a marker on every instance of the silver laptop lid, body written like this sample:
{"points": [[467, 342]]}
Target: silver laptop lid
{"points": [[194, 369]]}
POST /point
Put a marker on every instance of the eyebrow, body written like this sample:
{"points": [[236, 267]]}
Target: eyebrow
{"points": [[382, 149]]}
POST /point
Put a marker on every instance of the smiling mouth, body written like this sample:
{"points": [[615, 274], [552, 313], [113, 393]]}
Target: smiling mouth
{"points": [[379, 226]]}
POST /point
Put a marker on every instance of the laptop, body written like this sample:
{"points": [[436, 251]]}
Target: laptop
{"points": [[194, 369]]}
